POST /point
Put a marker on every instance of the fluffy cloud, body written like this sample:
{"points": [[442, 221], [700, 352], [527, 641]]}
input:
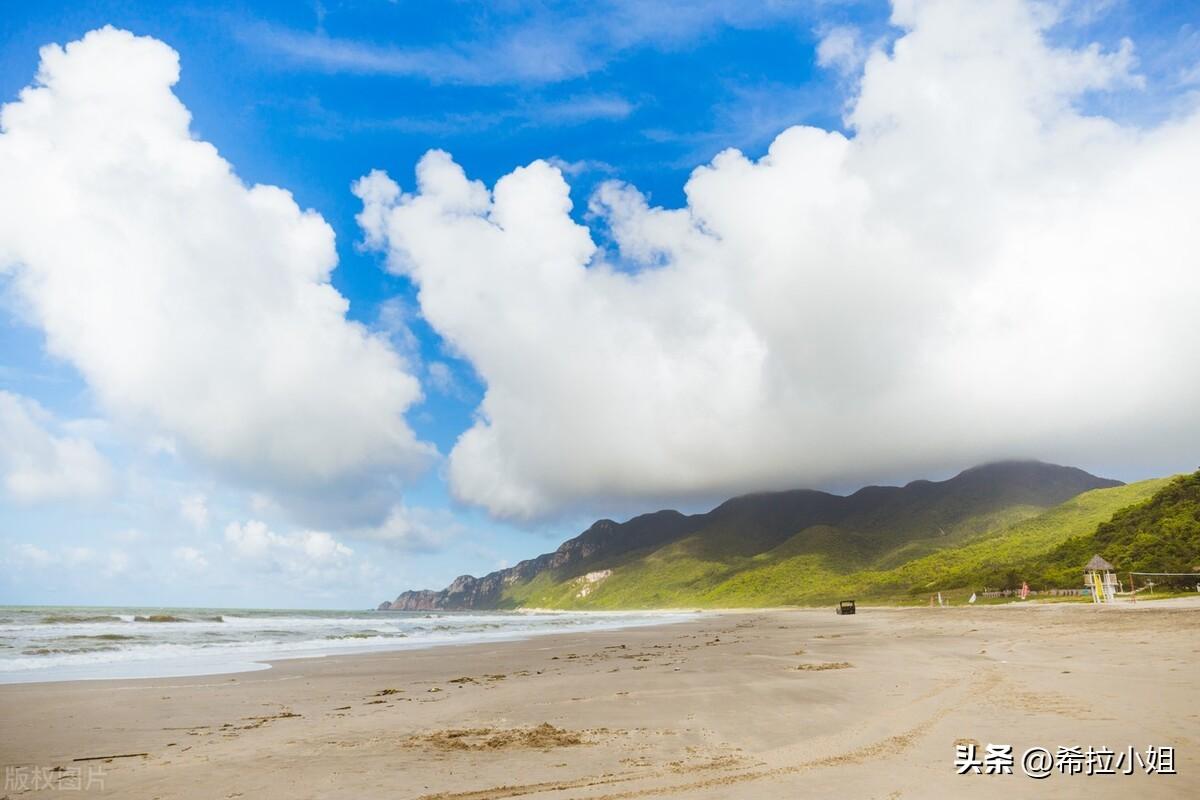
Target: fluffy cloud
{"points": [[37, 465], [981, 269], [298, 552], [191, 303]]}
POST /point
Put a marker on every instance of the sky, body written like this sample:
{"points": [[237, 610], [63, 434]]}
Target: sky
{"points": [[304, 304]]}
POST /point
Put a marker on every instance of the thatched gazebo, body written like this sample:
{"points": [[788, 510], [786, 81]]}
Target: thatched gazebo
{"points": [[1099, 576]]}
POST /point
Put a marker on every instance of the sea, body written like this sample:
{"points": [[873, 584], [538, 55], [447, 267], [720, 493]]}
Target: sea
{"points": [[43, 643]]}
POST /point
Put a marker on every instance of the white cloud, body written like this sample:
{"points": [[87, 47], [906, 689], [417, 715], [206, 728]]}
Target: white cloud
{"points": [[37, 465], [190, 557], [395, 319], [30, 555], [306, 553], [192, 304], [441, 378], [194, 509], [262, 504], [580, 167], [841, 48], [250, 540], [254, 566], [109, 564], [75, 555], [579, 109], [525, 44], [527, 59], [981, 270], [413, 529]]}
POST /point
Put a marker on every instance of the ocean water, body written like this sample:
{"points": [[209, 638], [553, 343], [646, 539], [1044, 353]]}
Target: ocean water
{"points": [[57, 644]]}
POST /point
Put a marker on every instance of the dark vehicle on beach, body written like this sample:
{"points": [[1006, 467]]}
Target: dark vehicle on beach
{"points": [[846, 607]]}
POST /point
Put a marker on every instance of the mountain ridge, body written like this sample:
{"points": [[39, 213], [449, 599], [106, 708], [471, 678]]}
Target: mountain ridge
{"points": [[871, 518]]}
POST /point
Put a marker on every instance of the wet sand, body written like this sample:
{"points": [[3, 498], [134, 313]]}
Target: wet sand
{"points": [[765, 704]]}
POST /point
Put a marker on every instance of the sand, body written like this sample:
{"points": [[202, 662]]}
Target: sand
{"points": [[764, 704]]}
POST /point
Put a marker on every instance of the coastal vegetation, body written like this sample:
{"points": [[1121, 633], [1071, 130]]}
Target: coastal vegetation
{"points": [[1159, 535], [823, 563], [997, 526]]}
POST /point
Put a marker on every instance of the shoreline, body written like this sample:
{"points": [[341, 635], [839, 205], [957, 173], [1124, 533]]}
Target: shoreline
{"points": [[755, 704], [246, 656], [202, 664]]}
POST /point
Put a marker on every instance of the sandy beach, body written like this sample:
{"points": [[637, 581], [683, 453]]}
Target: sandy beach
{"points": [[764, 704]]}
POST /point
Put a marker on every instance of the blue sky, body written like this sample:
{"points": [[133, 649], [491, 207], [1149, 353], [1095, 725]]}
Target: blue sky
{"points": [[646, 112], [313, 96]]}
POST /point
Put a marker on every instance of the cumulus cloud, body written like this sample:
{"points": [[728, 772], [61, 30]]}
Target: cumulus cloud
{"points": [[192, 304], [981, 269], [303, 553], [38, 465]]}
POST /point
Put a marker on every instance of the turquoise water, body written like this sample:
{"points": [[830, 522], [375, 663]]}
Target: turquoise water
{"points": [[79, 643]]}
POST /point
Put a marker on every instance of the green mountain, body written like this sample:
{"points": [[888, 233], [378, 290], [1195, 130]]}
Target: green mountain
{"points": [[1160, 535], [805, 547], [823, 564]]}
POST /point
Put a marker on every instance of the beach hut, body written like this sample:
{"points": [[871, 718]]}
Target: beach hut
{"points": [[1098, 576]]}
